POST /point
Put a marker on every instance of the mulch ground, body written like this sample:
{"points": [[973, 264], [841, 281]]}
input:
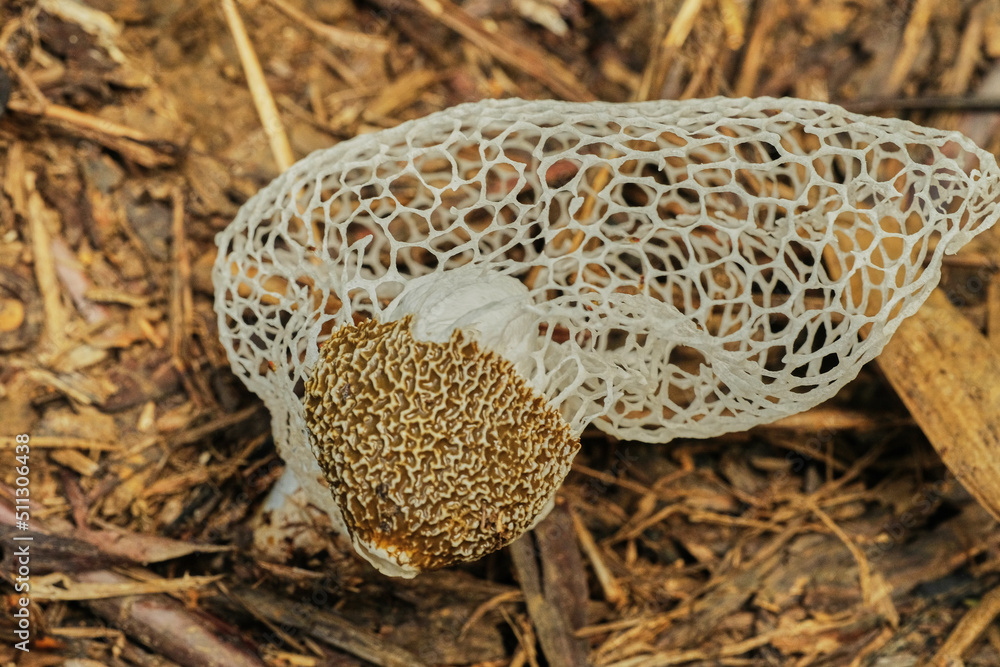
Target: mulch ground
{"points": [[129, 138]]}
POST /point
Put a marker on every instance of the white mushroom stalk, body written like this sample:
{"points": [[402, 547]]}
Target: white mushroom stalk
{"points": [[434, 312]]}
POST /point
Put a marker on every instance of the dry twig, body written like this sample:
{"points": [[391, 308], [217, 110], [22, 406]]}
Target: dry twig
{"points": [[262, 98], [914, 34], [327, 627], [968, 630], [181, 306], [666, 50], [537, 64]]}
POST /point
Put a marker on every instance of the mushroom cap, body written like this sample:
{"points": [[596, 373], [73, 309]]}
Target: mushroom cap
{"points": [[436, 452], [693, 267]]}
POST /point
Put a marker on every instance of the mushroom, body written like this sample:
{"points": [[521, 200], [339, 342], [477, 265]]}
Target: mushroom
{"points": [[434, 312]]}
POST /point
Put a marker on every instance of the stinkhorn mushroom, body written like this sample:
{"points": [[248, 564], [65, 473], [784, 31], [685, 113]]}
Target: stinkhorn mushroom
{"points": [[434, 312]]}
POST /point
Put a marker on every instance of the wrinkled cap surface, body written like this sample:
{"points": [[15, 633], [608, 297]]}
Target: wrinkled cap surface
{"points": [[693, 267], [443, 454]]}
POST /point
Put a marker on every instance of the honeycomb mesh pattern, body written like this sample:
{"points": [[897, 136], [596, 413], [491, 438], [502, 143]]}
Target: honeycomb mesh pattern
{"points": [[695, 267]]}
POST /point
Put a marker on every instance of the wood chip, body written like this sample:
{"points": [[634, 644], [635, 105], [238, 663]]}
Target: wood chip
{"points": [[61, 588], [968, 630], [74, 460], [561, 648], [946, 373], [328, 627]]}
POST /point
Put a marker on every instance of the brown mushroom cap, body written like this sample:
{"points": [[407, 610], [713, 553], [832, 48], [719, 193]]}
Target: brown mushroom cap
{"points": [[741, 263], [435, 452]]}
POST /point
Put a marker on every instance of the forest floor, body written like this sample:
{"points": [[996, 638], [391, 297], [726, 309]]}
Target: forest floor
{"points": [[129, 138]]}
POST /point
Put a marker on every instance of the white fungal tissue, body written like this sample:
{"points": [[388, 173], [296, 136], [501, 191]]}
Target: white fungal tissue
{"points": [[658, 270]]}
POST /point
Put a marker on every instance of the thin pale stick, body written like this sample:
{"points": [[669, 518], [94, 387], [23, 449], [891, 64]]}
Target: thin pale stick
{"points": [[262, 98]]}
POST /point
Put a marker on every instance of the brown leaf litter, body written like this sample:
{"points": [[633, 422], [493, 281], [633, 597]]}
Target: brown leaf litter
{"points": [[130, 137]]}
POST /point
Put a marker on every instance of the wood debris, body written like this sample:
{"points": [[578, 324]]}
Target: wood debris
{"points": [[129, 137]]}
